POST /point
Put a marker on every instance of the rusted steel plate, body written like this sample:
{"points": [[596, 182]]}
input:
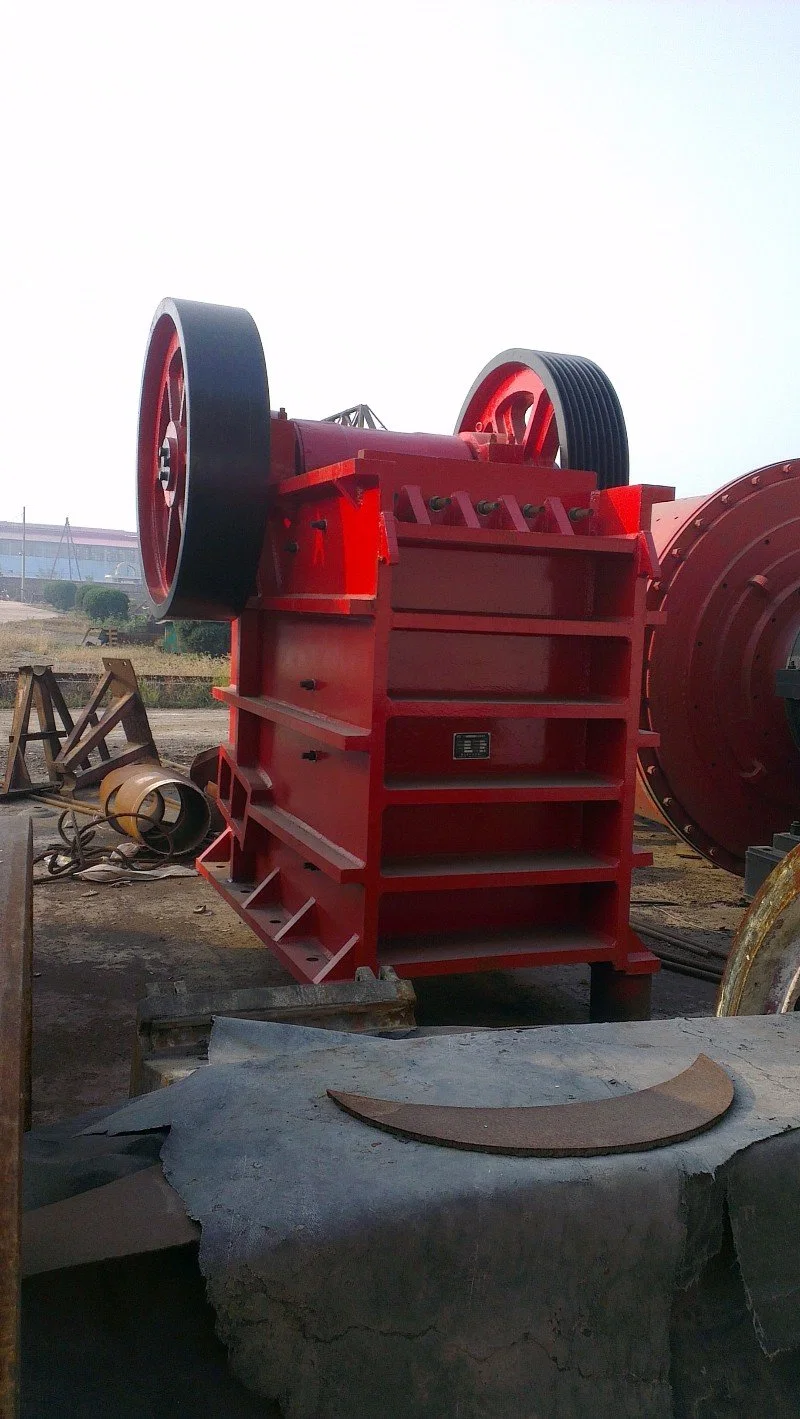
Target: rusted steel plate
{"points": [[762, 975], [135, 1214], [667, 1113], [16, 936]]}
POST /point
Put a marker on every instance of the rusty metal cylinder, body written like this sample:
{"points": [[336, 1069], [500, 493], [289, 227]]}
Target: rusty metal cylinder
{"points": [[726, 773], [161, 809]]}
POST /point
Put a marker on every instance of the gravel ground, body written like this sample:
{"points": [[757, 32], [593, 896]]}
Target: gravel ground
{"points": [[97, 950]]}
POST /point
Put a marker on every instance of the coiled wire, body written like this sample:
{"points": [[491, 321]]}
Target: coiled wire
{"points": [[81, 851]]}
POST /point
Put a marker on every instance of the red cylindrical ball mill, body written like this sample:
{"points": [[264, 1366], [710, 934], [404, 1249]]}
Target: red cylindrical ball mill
{"points": [[727, 773]]}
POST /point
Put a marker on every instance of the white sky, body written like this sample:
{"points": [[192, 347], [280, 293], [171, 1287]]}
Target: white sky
{"points": [[397, 192]]}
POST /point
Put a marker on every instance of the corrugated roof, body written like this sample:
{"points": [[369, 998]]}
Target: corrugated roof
{"points": [[89, 536]]}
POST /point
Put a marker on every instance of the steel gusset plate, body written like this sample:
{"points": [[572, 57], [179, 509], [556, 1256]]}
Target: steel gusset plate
{"points": [[679, 1108], [559, 408], [726, 773], [203, 459]]}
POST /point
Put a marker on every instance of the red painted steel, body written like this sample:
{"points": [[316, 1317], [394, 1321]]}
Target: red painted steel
{"points": [[515, 405], [320, 443], [437, 658], [163, 476], [392, 616], [725, 773]]}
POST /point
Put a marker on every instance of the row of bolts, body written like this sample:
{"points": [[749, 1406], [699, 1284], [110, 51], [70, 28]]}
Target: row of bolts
{"points": [[528, 509], [484, 508]]}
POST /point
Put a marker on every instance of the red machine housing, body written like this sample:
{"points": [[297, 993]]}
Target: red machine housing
{"points": [[393, 640], [434, 698], [725, 772]]}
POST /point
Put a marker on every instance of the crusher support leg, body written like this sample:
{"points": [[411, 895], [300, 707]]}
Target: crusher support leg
{"points": [[615, 995]]}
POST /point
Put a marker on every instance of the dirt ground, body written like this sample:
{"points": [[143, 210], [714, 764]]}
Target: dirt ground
{"points": [[98, 949], [18, 611]]}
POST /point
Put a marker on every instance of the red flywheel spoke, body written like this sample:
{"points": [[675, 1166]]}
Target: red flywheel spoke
{"points": [[509, 418], [540, 441]]}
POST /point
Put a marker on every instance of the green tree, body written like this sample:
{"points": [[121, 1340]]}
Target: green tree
{"points": [[105, 603], [60, 594]]}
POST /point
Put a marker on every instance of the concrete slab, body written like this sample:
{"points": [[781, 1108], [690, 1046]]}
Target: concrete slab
{"points": [[359, 1274]]}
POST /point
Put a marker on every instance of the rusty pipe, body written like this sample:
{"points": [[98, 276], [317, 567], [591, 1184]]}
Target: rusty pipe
{"points": [[161, 809]]}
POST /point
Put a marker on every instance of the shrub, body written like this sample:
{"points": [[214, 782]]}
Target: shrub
{"points": [[204, 637], [80, 593], [60, 594], [176, 692], [142, 631], [105, 603]]}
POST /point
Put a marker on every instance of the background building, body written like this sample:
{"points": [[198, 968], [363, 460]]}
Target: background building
{"points": [[68, 553]]}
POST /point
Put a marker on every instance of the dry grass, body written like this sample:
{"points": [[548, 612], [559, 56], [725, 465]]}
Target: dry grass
{"points": [[57, 643]]}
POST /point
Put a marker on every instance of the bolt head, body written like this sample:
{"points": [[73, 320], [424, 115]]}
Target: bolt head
{"points": [[163, 464]]}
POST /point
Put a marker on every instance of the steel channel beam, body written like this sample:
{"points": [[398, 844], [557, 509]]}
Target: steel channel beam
{"points": [[16, 950]]}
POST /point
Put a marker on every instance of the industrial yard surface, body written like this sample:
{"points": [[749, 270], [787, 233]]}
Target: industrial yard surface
{"points": [[99, 948], [15, 611]]}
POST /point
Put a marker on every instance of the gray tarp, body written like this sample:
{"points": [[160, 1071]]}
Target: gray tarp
{"points": [[359, 1275]]}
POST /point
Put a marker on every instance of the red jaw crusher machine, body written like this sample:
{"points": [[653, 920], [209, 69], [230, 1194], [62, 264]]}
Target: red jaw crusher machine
{"points": [[436, 661]]}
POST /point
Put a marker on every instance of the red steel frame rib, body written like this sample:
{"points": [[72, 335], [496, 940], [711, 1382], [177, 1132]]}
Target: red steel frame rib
{"points": [[396, 613]]}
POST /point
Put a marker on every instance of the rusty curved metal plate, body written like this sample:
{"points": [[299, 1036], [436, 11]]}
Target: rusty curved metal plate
{"points": [[762, 974], [650, 1118]]}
